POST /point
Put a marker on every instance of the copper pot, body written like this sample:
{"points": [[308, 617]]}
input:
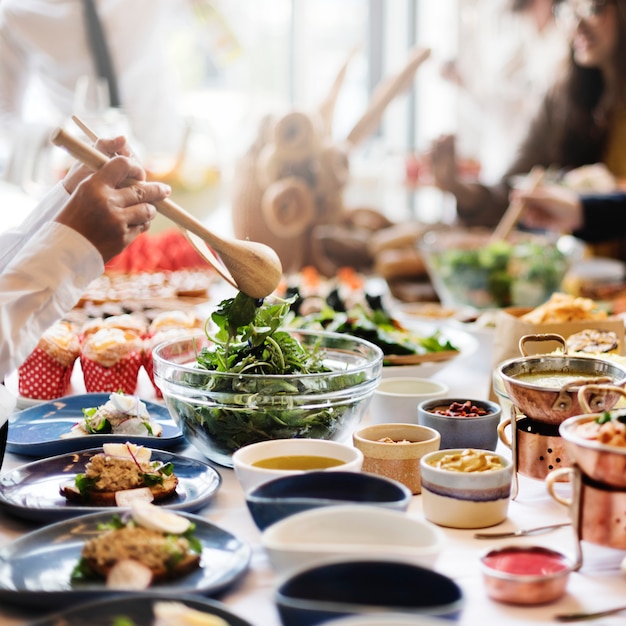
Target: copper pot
{"points": [[528, 385], [603, 462]]}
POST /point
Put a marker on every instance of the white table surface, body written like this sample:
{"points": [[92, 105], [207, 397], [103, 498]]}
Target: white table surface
{"points": [[599, 584]]}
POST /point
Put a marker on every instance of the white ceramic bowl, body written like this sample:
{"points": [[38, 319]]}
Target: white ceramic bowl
{"points": [[250, 475], [465, 499], [396, 398], [359, 531]]}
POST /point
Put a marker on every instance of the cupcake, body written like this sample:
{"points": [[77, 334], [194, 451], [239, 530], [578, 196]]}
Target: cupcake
{"points": [[175, 319], [111, 359], [46, 372], [128, 321]]}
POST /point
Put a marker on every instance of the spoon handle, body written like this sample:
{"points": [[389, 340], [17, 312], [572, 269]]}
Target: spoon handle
{"points": [[522, 532], [579, 617], [94, 159]]}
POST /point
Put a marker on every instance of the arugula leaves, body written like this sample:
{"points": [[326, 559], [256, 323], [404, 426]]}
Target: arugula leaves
{"points": [[373, 323], [250, 339]]}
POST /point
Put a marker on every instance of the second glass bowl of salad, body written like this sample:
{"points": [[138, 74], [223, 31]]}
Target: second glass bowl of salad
{"points": [[466, 268], [219, 412]]}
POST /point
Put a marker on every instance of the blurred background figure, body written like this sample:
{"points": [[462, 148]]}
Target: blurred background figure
{"points": [[509, 53], [104, 60], [581, 121]]}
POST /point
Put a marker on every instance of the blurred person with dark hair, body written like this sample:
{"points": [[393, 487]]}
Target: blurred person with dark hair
{"points": [[581, 121]]}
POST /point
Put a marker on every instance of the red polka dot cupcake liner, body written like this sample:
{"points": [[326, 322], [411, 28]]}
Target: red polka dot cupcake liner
{"points": [[41, 377], [120, 377]]}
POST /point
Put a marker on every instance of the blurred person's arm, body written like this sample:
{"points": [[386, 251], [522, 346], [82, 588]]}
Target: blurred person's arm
{"points": [[591, 217], [604, 217], [48, 207], [482, 205], [46, 276], [551, 207]]}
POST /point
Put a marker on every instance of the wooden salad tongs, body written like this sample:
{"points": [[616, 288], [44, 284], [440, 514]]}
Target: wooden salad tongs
{"points": [[253, 268]]}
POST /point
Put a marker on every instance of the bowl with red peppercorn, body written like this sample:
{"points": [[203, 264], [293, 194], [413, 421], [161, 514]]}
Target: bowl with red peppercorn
{"points": [[462, 422]]}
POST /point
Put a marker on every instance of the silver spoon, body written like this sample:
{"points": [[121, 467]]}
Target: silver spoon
{"points": [[579, 617], [521, 532]]}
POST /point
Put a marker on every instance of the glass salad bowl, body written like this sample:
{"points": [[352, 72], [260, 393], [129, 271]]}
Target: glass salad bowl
{"points": [[466, 268], [219, 412]]}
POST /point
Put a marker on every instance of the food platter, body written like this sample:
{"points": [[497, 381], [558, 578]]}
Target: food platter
{"points": [[138, 608], [466, 344], [36, 569], [37, 431], [32, 491]]}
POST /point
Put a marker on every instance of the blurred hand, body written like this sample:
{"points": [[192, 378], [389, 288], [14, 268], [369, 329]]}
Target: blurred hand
{"points": [[110, 147], [551, 207], [109, 213], [443, 165]]}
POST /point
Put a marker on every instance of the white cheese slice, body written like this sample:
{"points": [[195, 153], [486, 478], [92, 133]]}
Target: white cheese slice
{"points": [[126, 497], [152, 517]]}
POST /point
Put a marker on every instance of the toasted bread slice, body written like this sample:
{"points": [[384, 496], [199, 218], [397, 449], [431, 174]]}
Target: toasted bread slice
{"points": [[168, 557], [107, 498], [107, 475]]}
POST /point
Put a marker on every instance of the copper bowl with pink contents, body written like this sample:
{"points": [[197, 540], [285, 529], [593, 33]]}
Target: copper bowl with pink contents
{"points": [[525, 575]]}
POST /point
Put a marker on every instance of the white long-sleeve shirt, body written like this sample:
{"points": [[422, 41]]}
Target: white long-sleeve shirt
{"points": [[45, 267], [44, 41]]}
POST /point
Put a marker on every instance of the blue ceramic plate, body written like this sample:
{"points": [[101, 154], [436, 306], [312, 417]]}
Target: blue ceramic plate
{"points": [[32, 491], [36, 569], [37, 431], [135, 607]]}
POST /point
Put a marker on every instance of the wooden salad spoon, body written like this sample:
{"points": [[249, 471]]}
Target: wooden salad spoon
{"points": [[249, 266]]}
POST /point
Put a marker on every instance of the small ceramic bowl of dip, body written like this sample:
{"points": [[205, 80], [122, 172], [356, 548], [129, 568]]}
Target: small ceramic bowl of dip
{"points": [[466, 488], [525, 575], [260, 462], [462, 422]]}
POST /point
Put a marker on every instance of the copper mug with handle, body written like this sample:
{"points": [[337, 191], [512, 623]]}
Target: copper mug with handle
{"points": [[598, 511]]}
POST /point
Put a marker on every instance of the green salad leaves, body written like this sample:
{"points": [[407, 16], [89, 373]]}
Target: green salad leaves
{"points": [[259, 381]]}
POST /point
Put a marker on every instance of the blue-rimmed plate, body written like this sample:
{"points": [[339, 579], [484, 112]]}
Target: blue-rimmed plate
{"points": [[36, 569], [32, 491], [38, 431], [137, 608]]}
